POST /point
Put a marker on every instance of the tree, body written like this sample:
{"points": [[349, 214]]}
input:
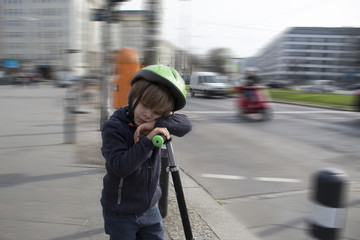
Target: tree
{"points": [[217, 59]]}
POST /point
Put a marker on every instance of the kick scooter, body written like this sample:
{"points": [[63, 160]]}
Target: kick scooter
{"points": [[158, 141]]}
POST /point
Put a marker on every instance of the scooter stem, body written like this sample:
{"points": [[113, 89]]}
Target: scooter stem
{"points": [[173, 168]]}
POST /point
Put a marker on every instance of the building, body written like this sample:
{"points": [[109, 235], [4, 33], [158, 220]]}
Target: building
{"points": [[131, 32], [312, 53], [48, 35]]}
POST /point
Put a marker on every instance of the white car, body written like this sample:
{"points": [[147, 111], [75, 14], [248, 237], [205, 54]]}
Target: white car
{"points": [[208, 84]]}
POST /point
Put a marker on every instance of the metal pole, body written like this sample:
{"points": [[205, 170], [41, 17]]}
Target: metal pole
{"points": [[106, 70], [153, 19], [357, 101], [69, 118]]}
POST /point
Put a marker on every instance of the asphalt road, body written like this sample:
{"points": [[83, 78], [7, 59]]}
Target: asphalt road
{"points": [[259, 171], [262, 171]]}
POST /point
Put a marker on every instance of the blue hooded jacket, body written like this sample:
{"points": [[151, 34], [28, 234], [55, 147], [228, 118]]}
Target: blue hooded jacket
{"points": [[131, 184]]}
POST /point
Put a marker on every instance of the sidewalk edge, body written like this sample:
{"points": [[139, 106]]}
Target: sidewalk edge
{"points": [[225, 226]]}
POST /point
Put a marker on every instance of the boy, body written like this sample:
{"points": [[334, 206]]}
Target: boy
{"points": [[130, 187]]}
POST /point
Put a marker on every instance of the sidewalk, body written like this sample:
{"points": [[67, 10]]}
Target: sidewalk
{"points": [[209, 220], [51, 190]]}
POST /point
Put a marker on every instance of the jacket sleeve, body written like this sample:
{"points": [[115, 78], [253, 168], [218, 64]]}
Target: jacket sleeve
{"points": [[177, 124], [120, 152]]}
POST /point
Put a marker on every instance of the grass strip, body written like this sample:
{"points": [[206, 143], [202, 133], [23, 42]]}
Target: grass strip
{"points": [[333, 100]]}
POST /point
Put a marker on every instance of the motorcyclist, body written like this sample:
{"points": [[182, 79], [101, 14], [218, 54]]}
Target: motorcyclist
{"points": [[254, 101], [250, 85]]}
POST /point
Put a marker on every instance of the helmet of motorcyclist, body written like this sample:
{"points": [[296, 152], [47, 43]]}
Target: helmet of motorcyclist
{"points": [[167, 77], [251, 76], [252, 80]]}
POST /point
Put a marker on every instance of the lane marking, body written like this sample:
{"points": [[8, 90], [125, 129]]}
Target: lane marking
{"points": [[220, 176], [300, 112], [212, 112], [268, 179], [279, 112], [259, 179]]}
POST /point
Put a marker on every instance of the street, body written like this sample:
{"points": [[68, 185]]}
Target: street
{"points": [[261, 171]]}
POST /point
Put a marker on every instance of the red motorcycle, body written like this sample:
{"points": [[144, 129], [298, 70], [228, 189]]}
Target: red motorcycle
{"points": [[254, 103]]}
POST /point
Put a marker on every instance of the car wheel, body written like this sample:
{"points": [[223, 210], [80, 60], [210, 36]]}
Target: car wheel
{"points": [[192, 93]]}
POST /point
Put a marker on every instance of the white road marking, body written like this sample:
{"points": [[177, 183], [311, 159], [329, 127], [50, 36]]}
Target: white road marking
{"points": [[268, 179], [220, 176], [320, 111], [260, 179], [279, 112], [212, 112]]}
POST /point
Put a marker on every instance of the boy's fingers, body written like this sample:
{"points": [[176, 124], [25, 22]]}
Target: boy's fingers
{"points": [[166, 133], [136, 135]]}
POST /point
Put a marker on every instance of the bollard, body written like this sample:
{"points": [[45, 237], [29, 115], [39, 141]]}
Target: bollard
{"points": [[164, 182], [70, 120], [127, 63], [328, 204]]}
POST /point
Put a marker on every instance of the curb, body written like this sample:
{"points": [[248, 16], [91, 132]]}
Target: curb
{"points": [[313, 105], [208, 219]]}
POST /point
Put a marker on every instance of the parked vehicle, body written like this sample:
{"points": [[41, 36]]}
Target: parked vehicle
{"points": [[6, 80], [277, 84], [355, 86], [319, 86], [208, 84], [65, 79], [254, 103]]}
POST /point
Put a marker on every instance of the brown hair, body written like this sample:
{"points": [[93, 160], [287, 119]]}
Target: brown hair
{"points": [[155, 96]]}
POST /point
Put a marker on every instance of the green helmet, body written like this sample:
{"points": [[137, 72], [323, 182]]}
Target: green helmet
{"points": [[167, 76]]}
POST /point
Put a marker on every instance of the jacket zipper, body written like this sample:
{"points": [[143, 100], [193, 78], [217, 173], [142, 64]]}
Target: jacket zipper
{"points": [[119, 190]]}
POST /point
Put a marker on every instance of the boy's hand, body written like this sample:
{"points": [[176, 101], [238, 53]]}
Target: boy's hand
{"points": [[143, 130], [159, 131], [148, 130]]}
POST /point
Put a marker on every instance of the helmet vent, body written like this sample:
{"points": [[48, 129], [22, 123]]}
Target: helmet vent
{"points": [[174, 74]]}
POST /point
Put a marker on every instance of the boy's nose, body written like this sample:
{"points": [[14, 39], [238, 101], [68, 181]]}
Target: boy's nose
{"points": [[148, 114]]}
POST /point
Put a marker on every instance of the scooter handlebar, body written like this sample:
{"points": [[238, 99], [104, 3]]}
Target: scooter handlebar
{"points": [[159, 140]]}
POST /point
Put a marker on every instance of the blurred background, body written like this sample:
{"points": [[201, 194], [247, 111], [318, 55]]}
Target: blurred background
{"points": [[287, 41], [70, 58]]}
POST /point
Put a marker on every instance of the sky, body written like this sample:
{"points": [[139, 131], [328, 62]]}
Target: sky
{"points": [[245, 26]]}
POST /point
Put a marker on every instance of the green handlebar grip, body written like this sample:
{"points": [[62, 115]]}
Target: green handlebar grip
{"points": [[158, 141]]}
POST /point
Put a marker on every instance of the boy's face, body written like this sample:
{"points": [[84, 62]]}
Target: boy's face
{"points": [[143, 114]]}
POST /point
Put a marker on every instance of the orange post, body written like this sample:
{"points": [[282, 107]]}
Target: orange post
{"points": [[127, 63]]}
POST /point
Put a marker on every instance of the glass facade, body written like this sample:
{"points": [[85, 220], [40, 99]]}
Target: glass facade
{"points": [[312, 53]]}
